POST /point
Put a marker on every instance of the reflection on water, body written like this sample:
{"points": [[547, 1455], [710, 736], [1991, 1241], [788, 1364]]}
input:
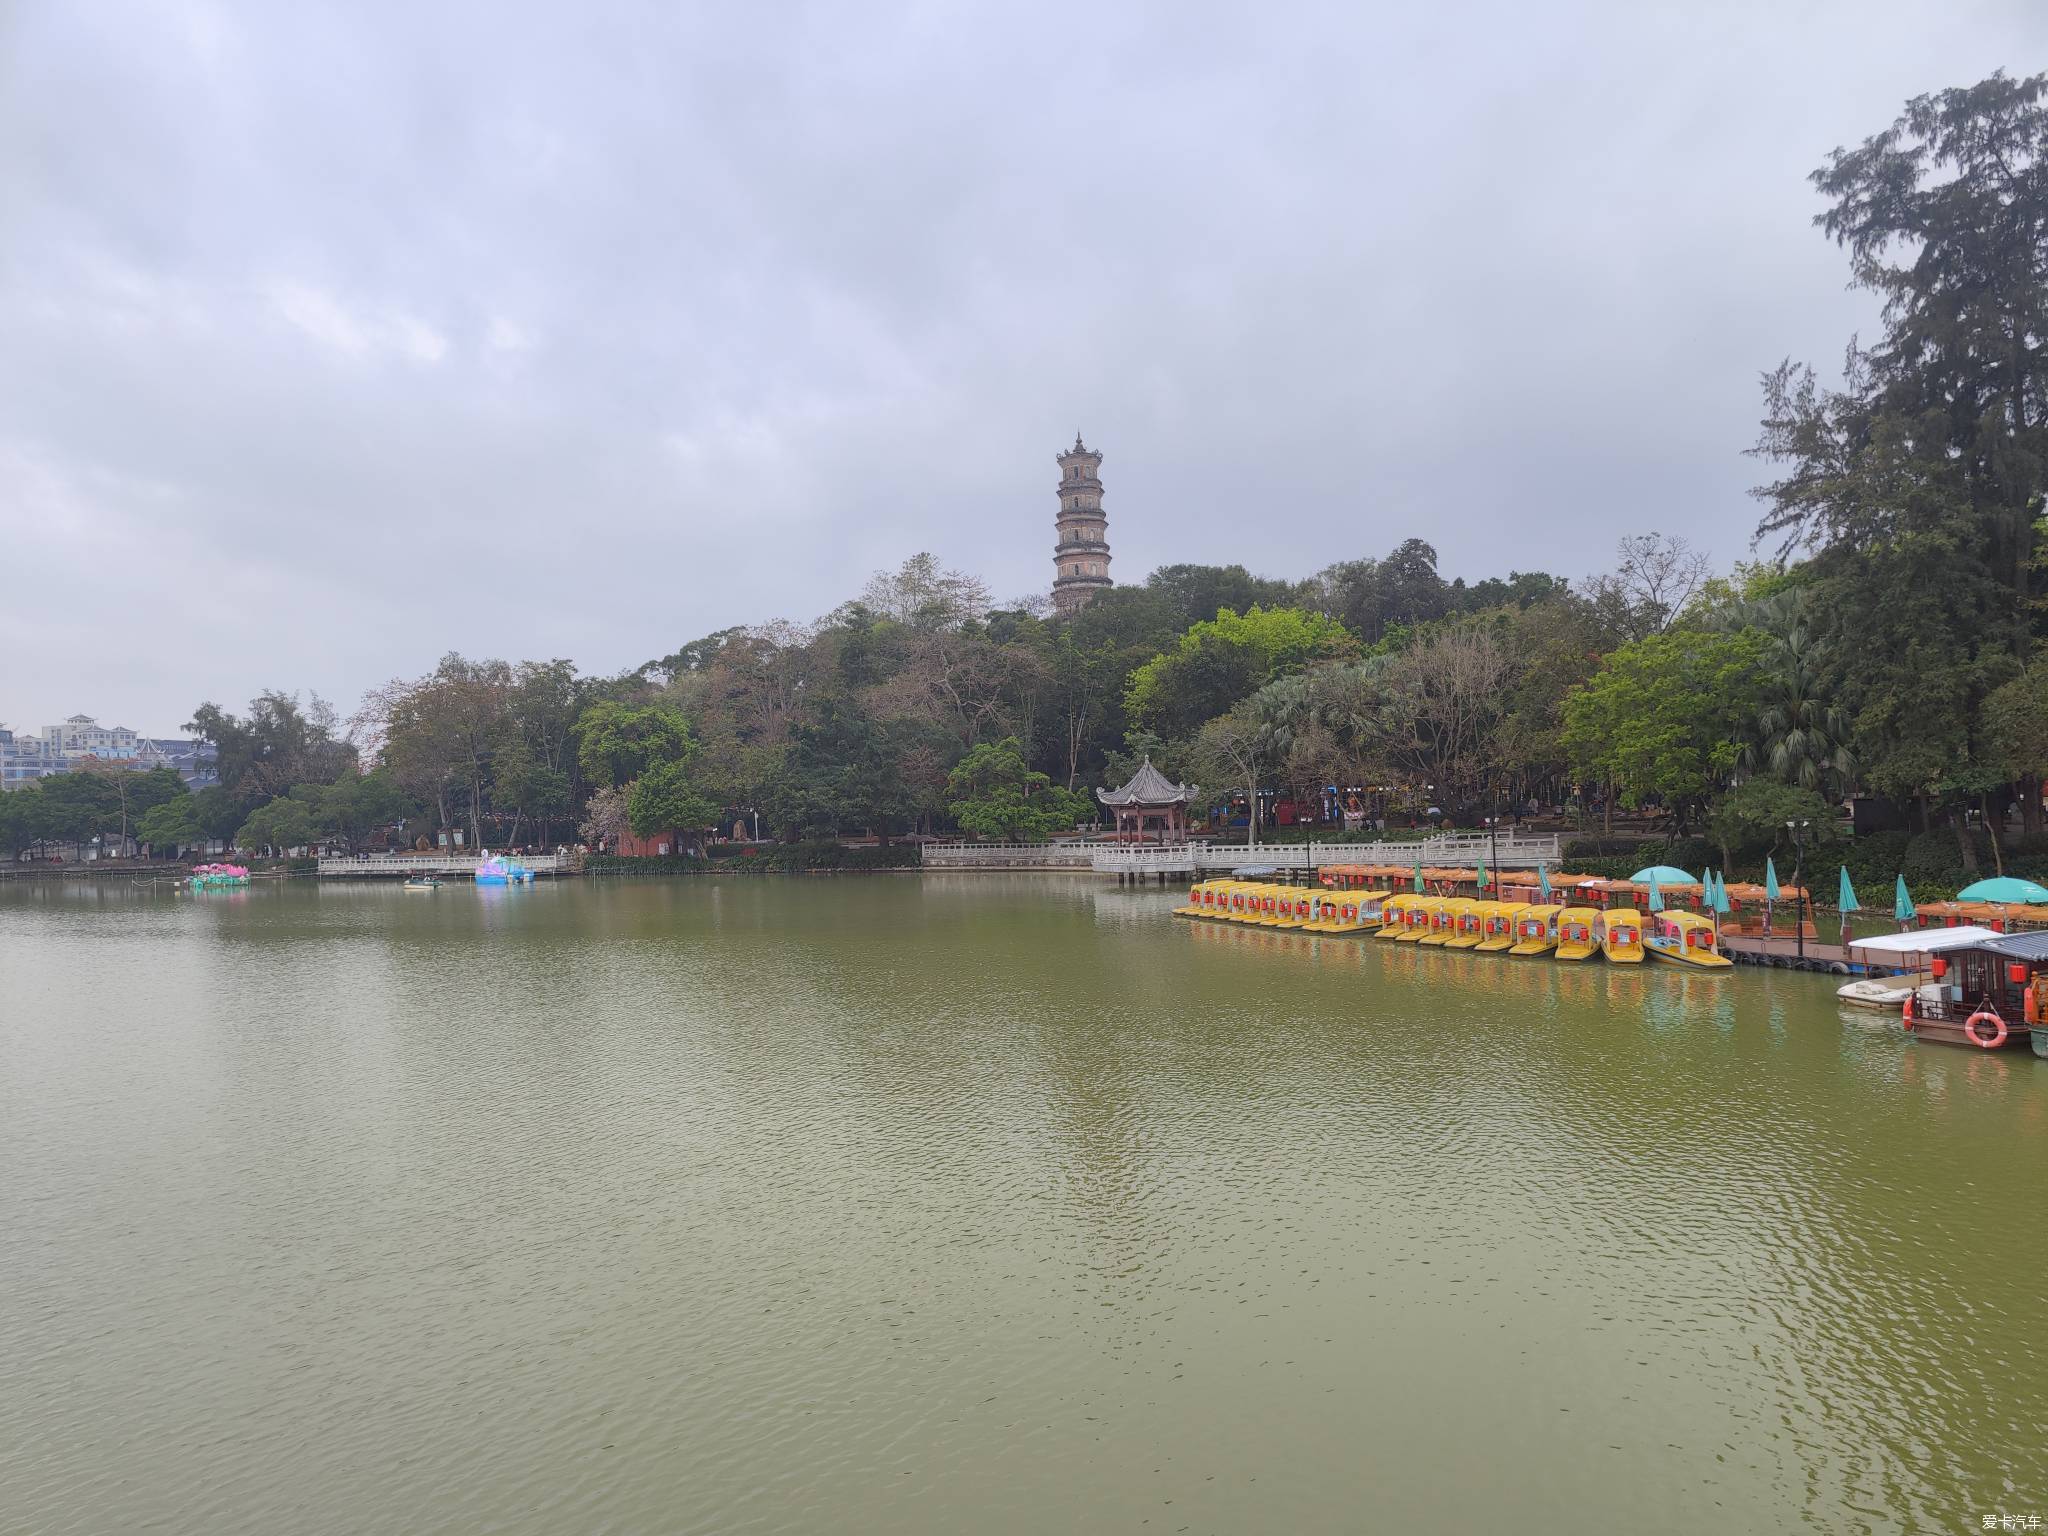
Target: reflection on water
{"points": [[978, 1202]]}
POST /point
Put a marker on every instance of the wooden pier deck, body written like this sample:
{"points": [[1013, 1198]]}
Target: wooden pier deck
{"points": [[1784, 950]]}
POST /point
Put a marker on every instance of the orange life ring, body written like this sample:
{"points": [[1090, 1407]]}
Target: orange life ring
{"points": [[1970, 1029]]}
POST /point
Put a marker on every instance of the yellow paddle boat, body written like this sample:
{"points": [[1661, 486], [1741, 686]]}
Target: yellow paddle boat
{"points": [[1417, 917], [1499, 925], [1575, 939], [1619, 933], [1535, 930], [1296, 907], [1470, 921], [1276, 907], [1193, 906], [1443, 921], [1344, 912], [1394, 915], [1685, 938]]}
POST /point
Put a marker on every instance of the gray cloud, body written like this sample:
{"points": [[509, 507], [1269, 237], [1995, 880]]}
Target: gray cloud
{"points": [[332, 339]]}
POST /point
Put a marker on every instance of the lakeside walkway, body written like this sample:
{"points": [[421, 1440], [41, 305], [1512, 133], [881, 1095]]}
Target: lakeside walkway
{"points": [[396, 866]]}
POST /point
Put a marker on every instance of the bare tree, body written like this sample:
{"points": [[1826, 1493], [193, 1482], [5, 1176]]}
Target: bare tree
{"points": [[922, 596], [1655, 576], [1445, 700], [1236, 746]]}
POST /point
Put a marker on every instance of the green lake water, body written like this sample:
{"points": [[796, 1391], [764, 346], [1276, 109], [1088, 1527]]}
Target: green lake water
{"points": [[979, 1203]]}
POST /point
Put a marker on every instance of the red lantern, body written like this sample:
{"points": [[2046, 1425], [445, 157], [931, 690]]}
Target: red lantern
{"points": [[2016, 973], [1939, 967]]}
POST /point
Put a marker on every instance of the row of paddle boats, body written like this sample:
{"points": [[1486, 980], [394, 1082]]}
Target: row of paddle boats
{"points": [[1620, 934]]}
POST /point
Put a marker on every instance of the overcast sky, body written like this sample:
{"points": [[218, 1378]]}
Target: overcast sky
{"points": [[334, 338]]}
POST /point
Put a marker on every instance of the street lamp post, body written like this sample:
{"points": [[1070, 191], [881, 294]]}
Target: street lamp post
{"points": [[1798, 831], [1493, 840]]}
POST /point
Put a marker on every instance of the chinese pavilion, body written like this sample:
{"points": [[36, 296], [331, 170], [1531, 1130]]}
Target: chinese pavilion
{"points": [[1151, 801]]}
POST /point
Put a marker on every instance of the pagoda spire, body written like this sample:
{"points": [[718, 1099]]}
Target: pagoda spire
{"points": [[1080, 556]]}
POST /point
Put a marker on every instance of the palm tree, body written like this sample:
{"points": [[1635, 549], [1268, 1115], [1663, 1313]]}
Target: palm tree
{"points": [[1799, 737]]}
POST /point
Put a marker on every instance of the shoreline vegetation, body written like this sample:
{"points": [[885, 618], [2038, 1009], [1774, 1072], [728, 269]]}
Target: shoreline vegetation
{"points": [[1884, 650]]}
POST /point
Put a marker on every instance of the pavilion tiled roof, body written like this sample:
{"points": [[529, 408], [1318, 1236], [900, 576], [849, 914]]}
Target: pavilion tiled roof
{"points": [[1148, 786]]}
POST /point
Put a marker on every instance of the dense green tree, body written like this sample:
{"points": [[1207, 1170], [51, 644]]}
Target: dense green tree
{"points": [[1945, 215], [170, 827], [1521, 589], [131, 794], [278, 826], [523, 784], [996, 794], [1918, 480], [17, 830], [355, 805], [1754, 818], [1195, 593], [278, 744], [1223, 660], [1554, 646], [697, 656], [618, 742], [75, 807], [1370, 597], [217, 810], [665, 797], [1664, 716], [842, 773]]}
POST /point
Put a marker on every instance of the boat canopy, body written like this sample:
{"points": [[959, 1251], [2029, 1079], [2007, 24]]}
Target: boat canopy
{"points": [[1926, 941], [2018, 946]]}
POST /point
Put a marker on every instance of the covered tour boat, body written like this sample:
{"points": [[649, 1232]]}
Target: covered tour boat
{"points": [[1989, 994]]}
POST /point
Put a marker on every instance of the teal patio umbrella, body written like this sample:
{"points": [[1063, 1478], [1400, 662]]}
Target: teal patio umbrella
{"points": [[1543, 884], [2006, 889], [1418, 874], [1770, 892], [1656, 896], [1902, 905], [1482, 874], [1847, 903]]}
